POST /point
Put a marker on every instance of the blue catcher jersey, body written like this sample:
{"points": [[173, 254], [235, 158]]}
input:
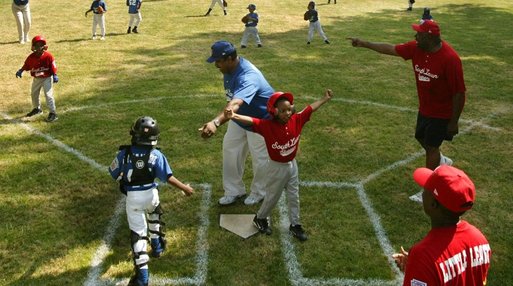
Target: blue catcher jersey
{"points": [[133, 6], [157, 166], [248, 83]]}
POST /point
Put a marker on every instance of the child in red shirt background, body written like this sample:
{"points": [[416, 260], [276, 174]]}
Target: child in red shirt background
{"points": [[41, 65], [281, 135]]}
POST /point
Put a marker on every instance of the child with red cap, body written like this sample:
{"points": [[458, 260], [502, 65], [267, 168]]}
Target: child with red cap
{"points": [[281, 135], [454, 252]]}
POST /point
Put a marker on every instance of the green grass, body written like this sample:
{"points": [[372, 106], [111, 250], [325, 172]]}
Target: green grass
{"points": [[55, 209]]}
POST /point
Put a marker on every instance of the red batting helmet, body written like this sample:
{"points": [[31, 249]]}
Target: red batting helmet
{"points": [[39, 39], [271, 108]]}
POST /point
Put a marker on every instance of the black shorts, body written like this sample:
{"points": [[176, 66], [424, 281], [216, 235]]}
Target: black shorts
{"points": [[431, 131]]}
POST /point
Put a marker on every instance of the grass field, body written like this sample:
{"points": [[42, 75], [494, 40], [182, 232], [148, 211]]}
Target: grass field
{"points": [[62, 219]]}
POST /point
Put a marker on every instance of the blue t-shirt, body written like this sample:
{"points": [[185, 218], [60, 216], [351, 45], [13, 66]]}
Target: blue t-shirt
{"points": [[248, 83], [157, 162], [252, 23], [133, 6], [314, 16], [21, 2], [95, 5]]}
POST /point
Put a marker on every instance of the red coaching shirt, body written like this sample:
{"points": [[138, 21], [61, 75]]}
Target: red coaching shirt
{"points": [[43, 66], [282, 140], [439, 77], [450, 256]]}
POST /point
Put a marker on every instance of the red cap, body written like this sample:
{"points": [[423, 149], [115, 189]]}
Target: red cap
{"points": [[275, 97], [450, 186], [427, 26]]}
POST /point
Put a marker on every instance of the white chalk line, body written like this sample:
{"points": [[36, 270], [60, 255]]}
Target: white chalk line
{"points": [[295, 274]]}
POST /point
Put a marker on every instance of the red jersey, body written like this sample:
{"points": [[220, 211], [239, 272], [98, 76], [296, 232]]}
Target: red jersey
{"points": [[43, 66], [282, 140], [439, 77], [450, 256]]}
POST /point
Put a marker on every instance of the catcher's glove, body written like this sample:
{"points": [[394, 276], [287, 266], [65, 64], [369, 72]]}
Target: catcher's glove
{"points": [[225, 4], [245, 19], [100, 10]]}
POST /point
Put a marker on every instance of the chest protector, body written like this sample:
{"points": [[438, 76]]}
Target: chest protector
{"points": [[139, 170]]}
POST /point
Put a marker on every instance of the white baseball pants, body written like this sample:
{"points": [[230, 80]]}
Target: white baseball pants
{"points": [[45, 83], [23, 20], [281, 176], [316, 26], [237, 144], [220, 2], [135, 20], [250, 31], [99, 19]]}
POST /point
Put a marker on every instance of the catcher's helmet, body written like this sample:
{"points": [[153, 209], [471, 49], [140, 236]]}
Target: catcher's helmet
{"points": [[39, 39], [271, 104], [145, 131]]}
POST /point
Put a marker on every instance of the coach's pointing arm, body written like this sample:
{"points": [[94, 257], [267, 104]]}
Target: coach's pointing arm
{"points": [[382, 48]]}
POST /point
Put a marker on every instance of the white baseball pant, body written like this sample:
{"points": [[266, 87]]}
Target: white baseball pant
{"points": [[99, 19], [281, 176], [23, 20], [237, 144], [220, 2], [316, 26], [135, 19], [250, 31], [45, 83]]}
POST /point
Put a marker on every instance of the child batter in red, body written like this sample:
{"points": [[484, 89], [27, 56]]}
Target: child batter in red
{"points": [[281, 135], [41, 65]]}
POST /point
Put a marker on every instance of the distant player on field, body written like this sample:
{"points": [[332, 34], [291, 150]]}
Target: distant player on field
{"points": [[250, 21], [99, 9], [42, 67], [281, 135], [134, 7], [312, 16], [454, 252], [222, 3], [440, 86]]}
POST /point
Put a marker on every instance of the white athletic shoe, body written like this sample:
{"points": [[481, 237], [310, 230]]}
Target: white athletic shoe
{"points": [[445, 160], [252, 200], [94, 37], [102, 38], [228, 200]]}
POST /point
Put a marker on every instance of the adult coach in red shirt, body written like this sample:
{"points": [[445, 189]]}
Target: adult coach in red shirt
{"points": [[454, 252], [440, 86]]}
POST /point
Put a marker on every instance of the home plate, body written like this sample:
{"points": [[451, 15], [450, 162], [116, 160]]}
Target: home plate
{"points": [[417, 197], [240, 224]]}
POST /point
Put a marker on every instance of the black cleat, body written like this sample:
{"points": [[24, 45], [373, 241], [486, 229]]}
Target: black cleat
{"points": [[34, 111], [298, 232], [262, 224]]}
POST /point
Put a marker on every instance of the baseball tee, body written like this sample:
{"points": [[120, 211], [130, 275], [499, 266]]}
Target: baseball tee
{"points": [[451, 256], [157, 164], [40, 66], [439, 76], [282, 140], [248, 84]]}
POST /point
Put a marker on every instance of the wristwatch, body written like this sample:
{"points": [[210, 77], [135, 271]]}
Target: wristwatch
{"points": [[217, 123]]}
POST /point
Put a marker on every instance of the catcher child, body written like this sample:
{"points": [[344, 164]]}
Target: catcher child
{"points": [[315, 25]]}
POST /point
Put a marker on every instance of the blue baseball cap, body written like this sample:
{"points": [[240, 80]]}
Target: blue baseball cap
{"points": [[221, 49]]}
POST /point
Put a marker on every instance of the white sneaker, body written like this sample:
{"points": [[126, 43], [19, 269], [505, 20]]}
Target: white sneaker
{"points": [[94, 37], [102, 38], [252, 200], [445, 160], [228, 200]]}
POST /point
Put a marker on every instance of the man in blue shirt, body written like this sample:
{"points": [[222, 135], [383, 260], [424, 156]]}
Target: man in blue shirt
{"points": [[247, 93]]}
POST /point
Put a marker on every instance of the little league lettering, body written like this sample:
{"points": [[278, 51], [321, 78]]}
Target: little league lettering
{"points": [[458, 263]]}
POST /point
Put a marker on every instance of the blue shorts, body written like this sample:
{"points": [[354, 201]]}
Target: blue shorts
{"points": [[431, 131]]}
